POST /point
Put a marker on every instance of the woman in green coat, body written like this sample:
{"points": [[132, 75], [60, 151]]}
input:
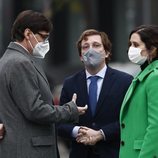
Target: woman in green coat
{"points": [[139, 112]]}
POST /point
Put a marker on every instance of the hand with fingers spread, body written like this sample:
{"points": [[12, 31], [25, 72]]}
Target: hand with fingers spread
{"points": [[81, 110], [89, 136]]}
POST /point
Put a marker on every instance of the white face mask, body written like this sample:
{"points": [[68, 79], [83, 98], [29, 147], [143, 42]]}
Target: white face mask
{"points": [[41, 48], [135, 56]]}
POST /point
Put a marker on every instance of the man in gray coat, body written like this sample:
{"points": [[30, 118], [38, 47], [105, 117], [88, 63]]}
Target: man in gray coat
{"points": [[26, 103]]}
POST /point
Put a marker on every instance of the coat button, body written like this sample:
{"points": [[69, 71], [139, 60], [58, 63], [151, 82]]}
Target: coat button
{"points": [[123, 125], [122, 143]]}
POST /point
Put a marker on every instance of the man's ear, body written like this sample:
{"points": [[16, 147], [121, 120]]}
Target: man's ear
{"points": [[27, 33], [107, 54]]}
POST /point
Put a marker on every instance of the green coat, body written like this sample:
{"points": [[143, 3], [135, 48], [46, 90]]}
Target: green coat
{"points": [[139, 116]]}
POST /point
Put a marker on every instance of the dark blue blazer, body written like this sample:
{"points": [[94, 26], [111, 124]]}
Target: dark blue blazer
{"points": [[114, 87]]}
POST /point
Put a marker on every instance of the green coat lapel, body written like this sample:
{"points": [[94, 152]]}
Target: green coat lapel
{"points": [[139, 78], [128, 95]]}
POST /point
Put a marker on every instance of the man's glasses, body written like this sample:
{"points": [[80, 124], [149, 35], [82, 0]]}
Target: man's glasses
{"points": [[45, 37]]}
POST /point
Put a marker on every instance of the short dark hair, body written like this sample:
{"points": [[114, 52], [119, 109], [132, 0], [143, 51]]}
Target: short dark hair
{"points": [[33, 20], [104, 37]]}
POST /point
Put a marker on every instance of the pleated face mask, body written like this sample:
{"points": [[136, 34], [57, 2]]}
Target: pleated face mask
{"points": [[41, 48], [135, 56], [92, 58]]}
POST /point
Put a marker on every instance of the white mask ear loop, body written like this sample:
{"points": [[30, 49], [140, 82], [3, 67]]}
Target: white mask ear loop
{"points": [[35, 37], [30, 44]]}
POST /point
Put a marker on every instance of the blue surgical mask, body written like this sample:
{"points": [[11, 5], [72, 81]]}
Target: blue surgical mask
{"points": [[92, 58]]}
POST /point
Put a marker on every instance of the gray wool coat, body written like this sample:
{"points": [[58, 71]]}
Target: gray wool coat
{"points": [[26, 107]]}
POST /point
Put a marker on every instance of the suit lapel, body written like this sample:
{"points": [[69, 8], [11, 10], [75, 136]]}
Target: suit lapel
{"points": [[106, 87], [83, 86], [139, 78], [83, 92], [128, 95], [130, 91]]}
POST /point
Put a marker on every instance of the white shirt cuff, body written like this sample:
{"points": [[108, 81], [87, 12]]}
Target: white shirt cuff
{"points": [[102, 133], [75, 131]]}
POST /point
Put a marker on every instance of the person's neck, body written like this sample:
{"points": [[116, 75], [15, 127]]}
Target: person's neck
{"points": [[24, 45], [94, 70], [143, 66]]}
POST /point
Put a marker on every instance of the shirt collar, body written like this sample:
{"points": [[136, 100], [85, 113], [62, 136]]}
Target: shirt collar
{"points": [[21, 46], [101, 73]]}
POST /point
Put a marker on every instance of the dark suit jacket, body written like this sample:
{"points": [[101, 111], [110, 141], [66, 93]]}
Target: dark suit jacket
{"points": [[114, 87], [26, 108]]}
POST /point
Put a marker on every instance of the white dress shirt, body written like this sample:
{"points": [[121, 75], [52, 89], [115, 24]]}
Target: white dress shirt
{"points": [[101, 75]]}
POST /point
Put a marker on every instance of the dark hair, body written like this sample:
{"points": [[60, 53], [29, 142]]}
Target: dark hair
{"points": [[35, 21], [149, 35], [104, 37]]}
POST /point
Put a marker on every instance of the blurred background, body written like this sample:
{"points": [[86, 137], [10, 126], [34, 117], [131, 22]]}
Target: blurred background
{"points": [[70, 18]]}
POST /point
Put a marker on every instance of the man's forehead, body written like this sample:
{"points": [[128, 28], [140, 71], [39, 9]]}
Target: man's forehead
{"points": [[92, 38]]}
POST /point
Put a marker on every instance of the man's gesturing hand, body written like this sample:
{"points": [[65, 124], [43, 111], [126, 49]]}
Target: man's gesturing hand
{"points": [[81, 110]]}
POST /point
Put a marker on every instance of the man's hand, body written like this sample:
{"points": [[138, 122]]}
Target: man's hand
{"points": [[81, 110], [89, 136], [1, 130]]}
